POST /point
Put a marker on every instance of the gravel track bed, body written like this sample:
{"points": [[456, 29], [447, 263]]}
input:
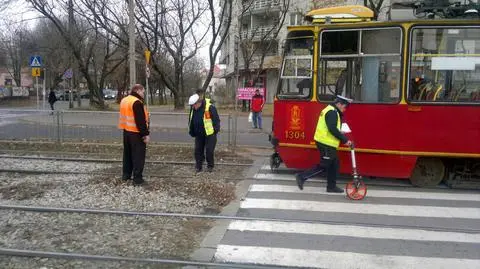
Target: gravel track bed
{"points": [[141, 237], [129, 236]]}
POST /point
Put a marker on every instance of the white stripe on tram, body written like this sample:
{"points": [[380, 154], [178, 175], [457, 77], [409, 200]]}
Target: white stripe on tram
{"points": [[353, 231], [380, 209], [334, 259], [371, 193]]}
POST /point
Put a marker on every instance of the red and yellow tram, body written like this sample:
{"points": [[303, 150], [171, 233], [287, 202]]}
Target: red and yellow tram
{"points": [[415, 86]]}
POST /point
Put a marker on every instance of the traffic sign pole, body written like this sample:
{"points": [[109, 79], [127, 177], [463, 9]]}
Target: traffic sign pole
{"points": [[38, 105], [44, 86]]}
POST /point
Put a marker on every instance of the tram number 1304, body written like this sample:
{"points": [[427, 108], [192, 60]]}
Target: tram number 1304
{"points": [[289, 134]]}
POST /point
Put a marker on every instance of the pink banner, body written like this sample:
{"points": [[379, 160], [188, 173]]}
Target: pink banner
{"points": [[247, 93]]}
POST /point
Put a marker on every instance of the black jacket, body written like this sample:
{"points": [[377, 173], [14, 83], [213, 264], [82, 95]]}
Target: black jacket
{"points": [[139, 115], [51, 97], [196, 127], [331, 120]]}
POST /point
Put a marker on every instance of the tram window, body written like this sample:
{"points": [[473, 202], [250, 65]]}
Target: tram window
{"points": [[381, 41], [445, 65], [340, 42], [369, 75], [296, 74]]}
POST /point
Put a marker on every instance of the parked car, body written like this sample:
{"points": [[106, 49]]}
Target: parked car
{"points": [[109, 94]]}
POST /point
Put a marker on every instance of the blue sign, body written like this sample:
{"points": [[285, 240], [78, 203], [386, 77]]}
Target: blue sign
{"points": [[68, 74], [35, 61]]}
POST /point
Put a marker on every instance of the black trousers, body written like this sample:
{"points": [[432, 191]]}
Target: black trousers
{"points": [[328, 163], [205, 145], [134, 150], [51, 106]]}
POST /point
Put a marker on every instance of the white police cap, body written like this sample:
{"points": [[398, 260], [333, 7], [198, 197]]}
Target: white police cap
{"points": [[193, 99], [344, 99]]}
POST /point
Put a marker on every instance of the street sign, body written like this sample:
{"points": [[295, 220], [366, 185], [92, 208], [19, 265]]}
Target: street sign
{"points": [[68, 74], [35, 61], [147, 72], [36, 72]]}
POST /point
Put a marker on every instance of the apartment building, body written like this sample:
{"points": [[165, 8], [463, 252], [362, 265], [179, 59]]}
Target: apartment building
{"points": [[253, 34]]}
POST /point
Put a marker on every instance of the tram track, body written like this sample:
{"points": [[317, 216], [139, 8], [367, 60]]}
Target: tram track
{"points": [[38, 172], [44, 209], [100, 160]]}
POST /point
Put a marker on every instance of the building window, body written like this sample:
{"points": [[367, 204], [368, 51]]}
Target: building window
{"points": [[296, 18]]}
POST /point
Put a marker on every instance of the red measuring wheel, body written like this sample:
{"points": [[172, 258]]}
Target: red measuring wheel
{"points": [[356, 190]]}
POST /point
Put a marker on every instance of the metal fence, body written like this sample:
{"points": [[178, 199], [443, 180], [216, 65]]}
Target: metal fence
{"points": [[66, 125]]}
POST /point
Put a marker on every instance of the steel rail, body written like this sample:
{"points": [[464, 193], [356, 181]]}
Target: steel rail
{"points": [[111, 160], [78, 256], [98, 173], [41, 209]]}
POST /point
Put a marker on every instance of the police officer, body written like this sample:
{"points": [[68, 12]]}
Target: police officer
{"points": [[204, 124], [134, 120], [328, 137]]}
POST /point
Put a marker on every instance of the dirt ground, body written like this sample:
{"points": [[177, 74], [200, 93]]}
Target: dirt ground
{"points": [[147, 237]]}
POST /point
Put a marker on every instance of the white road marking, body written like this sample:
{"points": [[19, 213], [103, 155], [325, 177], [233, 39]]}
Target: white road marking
{"points": [[350, 230], [334, 259], [371, 193], [378, 209]]}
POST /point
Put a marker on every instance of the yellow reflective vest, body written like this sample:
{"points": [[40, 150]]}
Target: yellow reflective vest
{"points": [[207, 118], [322, 135]]}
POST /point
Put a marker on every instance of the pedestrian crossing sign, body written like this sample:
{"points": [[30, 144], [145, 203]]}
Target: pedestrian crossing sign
{"points": [[35, 61], [36, 72]]}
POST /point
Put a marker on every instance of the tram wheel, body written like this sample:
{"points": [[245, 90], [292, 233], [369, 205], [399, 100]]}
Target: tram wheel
{"points": [[428, 172], [275, 161], [356, 190]]}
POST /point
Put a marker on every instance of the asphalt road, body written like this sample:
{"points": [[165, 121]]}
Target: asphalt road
{"points": [[31, 124], [393, 227]]}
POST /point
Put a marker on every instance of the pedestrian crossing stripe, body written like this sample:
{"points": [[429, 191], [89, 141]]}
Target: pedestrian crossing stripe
{"points": [[353, 230], [377, 209], [334, 259]]}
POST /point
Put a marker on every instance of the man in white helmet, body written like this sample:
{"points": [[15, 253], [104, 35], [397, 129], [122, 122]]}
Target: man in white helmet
{"points": [[203, 124], [328, 138]]}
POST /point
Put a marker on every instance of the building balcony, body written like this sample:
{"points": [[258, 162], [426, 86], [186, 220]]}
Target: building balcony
{"points": [[260, 5], [259, 33]]}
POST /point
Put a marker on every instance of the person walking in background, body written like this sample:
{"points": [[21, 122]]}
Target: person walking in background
{"points": [[52, 98], [257, 106], [203, 124], [328, 137], [134, 120]]}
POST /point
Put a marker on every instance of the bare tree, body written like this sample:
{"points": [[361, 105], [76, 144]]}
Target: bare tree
{"points": [[219, 34], [174, 31], [93, 49], [16, 46], [375, 6]]}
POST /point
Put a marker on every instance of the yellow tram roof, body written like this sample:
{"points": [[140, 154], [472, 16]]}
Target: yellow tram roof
{"points": [[350, 13]]}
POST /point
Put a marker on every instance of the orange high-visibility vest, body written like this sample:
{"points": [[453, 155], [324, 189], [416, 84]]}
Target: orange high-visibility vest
{"points": [[127, 118]]}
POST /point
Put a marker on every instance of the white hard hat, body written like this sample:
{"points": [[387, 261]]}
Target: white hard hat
{"points": [[193, 99], [344, 99]]}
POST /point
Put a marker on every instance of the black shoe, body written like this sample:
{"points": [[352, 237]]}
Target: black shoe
{"points": [[209, 169], [138, 182], [335, 190], [299, 181], [198, 170], [125, 178]]}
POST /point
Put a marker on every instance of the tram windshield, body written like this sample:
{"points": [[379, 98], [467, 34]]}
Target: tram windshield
{"points": [[362, 64], [445, 65], [296, 74]]}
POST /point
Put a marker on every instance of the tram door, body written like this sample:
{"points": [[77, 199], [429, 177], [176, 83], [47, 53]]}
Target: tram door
{"points": [[364, 65]]}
